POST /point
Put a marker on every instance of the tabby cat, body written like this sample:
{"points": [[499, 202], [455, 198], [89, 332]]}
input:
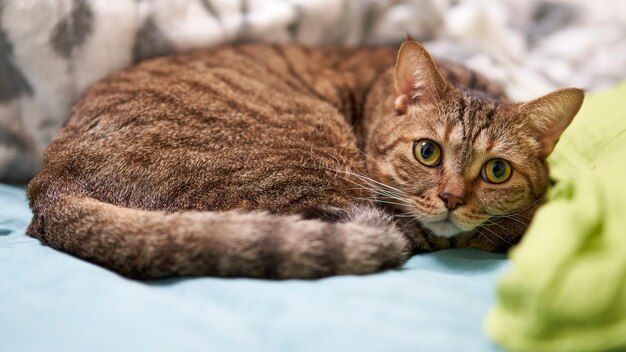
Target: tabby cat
{"points": [[280, 161]]}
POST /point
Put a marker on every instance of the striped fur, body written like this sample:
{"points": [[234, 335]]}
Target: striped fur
{"points": [[249, 161]]}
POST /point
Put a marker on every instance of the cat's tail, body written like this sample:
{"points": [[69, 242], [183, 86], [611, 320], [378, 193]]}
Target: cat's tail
{"points": [[153, 244]]}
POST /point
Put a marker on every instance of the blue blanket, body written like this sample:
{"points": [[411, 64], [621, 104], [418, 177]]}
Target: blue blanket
{"points": [[50, 301]]}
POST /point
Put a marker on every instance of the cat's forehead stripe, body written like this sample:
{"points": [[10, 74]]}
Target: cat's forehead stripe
{"points": [[467, 125], [483, 143], [461, 115], [456, 136], [469, 132]]}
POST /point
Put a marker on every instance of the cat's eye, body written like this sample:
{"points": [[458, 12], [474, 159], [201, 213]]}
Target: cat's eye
{"points": [[427, 152], [496, 171]]}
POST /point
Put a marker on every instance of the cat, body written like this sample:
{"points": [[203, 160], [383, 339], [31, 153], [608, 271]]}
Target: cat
{"points": [[283, 161]]}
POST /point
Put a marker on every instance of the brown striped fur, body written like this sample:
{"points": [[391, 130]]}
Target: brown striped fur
{"points": [[273, 161]]}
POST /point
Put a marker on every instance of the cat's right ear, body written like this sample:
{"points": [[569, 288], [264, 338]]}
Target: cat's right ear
{"points": [[417, 78]]}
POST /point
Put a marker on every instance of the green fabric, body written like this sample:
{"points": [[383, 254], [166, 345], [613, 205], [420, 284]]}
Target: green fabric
{"points": [[566, 289]]}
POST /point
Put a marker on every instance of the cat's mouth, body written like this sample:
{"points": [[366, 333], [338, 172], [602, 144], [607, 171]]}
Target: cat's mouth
{"points": [[443, 228], [447, 226], [446, 223]]}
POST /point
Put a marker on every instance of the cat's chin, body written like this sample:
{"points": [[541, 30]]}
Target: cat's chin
{"points": [[444, 228]]}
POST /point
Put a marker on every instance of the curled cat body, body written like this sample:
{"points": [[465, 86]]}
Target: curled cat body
{"points": [[279, 161]]}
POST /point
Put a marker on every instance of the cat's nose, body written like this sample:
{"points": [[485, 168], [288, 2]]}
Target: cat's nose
{"points": [[452, 201]]}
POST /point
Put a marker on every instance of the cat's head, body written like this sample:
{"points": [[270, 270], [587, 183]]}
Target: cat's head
{"points": [[459, 160]]}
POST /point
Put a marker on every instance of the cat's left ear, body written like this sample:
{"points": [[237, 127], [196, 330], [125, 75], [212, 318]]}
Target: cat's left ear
{"points": [[550, 115], [417, 77]]}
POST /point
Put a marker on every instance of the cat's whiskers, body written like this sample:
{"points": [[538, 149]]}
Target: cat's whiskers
{"points": [[493, 233], [404, 215], [515, 216], [495, 223], [384, 185], [519, 221], [403, 194], [485, 236], [381, 201], [413, 220], [372, 185], [519, 211]]}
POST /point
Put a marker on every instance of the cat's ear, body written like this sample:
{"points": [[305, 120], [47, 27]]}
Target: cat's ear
{"points": [[417, 78], [549, 115]]}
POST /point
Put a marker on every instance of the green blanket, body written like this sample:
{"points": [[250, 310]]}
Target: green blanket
{"points": [[566, 290]]}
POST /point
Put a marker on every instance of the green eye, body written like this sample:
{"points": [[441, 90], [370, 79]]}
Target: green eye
{"points": [[496, 171], [427, 152]]}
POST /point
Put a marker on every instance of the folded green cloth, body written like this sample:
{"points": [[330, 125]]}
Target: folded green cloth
{"points": [[566, 289]]}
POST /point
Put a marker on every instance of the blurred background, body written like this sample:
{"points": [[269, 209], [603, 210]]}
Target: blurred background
{"points": [[51, 50]]}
